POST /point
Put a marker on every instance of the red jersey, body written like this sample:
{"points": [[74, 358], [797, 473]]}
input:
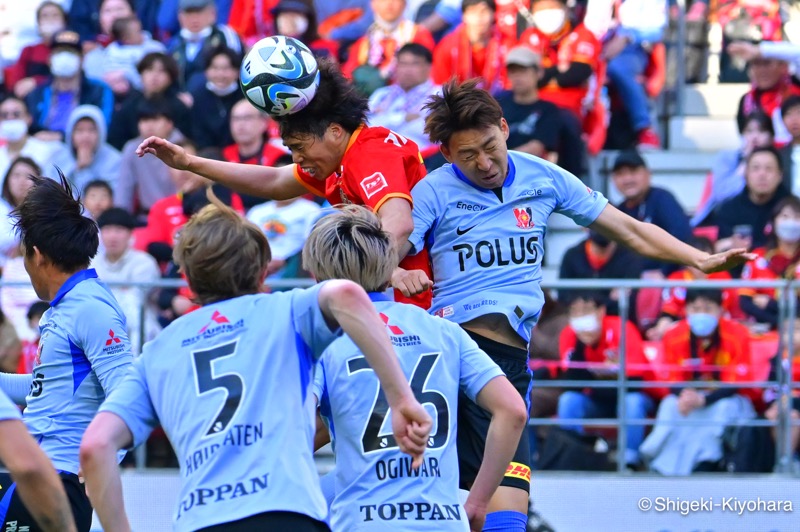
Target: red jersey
{"points": [[576, 46], [378, 165], [606, 351], [674, 299], [769, 265], [456, 56], [379, 49], [731, 353]]}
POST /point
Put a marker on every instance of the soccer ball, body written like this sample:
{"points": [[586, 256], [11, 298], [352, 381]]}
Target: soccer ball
{"points": [[279, 75]]}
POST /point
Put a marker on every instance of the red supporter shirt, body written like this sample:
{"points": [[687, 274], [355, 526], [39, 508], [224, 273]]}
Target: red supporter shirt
{"points": [[769, 265], [378, 165], [456, 56], [607, 349], [384, 52], [674, 299], [577, 46], [269, 154]]}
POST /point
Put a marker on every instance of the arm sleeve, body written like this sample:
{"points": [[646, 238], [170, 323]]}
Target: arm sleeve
{"points": [[477, 369], [318, 383], [7, 409], [576, 75], [130, 400], [574, 199], [309, 323], [765, 315], [424, 214], [16, 387], [785, 51], [109, 359]]}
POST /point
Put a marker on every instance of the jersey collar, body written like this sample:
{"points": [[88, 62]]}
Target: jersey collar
{"points": [[378, 296], [512, 173], [70, 283]]}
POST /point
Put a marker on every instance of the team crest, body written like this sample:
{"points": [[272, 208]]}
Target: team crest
{"points": [[524, 218]]}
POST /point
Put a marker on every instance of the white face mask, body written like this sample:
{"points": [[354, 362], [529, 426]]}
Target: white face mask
{"points": [[48, 29], [13, 130], [788, 230], [224, 91], [585, 324], [199, 36], [549, 21], [292, 24], [65, 64]]}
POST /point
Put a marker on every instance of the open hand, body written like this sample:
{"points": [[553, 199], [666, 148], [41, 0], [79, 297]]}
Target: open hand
{"points": [[725, 261], [171, 154], [411, 425]]}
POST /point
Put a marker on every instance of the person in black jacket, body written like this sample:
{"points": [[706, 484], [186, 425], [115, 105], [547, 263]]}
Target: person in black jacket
{"points": [[159, 74], [213, 102]]}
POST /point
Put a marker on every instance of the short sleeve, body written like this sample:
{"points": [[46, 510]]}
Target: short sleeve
{"points": [[130, 400], [318, 384], [575, 199], [424, 214], [309, 323], [104, 340], [7, 409], [477, 369], [381, 173]]}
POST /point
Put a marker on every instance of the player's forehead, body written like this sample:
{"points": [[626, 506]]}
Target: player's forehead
{"points": [[476, 139], [298, 141]]}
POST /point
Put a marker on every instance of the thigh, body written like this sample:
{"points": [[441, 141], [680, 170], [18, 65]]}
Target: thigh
{"points": [[271, 522]]}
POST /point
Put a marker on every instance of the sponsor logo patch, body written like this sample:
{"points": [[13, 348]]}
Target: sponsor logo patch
{"points": [[373, 184]]}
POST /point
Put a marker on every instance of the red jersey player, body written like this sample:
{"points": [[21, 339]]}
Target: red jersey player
{"points": [[336, 156]]}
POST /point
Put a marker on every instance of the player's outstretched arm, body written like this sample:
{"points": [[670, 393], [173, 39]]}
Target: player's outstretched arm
{"points": [[38, 483], [655, 243], [509, 416], [346, 304], [106, 435], [262, 181]]}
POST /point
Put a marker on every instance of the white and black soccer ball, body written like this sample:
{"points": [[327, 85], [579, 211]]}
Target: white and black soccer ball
{"points": [[279, 75]]}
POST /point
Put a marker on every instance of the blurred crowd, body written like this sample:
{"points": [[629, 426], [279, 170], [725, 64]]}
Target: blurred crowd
{"points": [[84, 81]]}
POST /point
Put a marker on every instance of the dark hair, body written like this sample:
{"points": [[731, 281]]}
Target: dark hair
{"points": [[283, 160], [167, 61], [120, 26], [37, 309], [709, 294], [767, 149], [790, 103], [469, 3], [20, 100], [461, 106], [416, 50], [598, 297], [234, 58], [52, 220], [154, 108], [98, 183], [702, 243], [791, 201], [336, 102], [764, 121], [6, 193], [49, 3]]}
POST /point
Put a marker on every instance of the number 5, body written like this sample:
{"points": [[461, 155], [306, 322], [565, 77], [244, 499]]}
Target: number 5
{"points": [[207, 381]]}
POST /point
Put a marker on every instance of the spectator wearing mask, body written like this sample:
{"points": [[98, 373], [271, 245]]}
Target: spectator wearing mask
{"points": [[647, 203], [15, 123], [298, 19], [639, 25], [778, 259], [118, 262], [143, 181], [535, 126], [673, 302], [742, 220], [770, 85], [87, 157], [250, 142], [213, 102], [399, 106], [708, 348], [590, 350], [474, 49], [389, 32], [97, 197], [159, 74], [51, 103], [33, 66], [727, 174], [116, 63], [199, 36], [790, 154]]}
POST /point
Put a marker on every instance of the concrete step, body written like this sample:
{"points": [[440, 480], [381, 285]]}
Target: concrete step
{"points": [[719, 100], [702, 133]]}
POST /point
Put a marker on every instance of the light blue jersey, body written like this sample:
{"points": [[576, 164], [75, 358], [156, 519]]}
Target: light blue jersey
{"points": [[375, 487], [231, 385], [8, 410], [487, 252], [83, 355]]}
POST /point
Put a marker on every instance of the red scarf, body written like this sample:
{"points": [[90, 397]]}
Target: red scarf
{"points": [[767, 100], [492, 72]]}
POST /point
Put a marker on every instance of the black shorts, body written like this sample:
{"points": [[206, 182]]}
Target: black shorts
{"points": [[473, 421], [14, 515], [271, 522]]}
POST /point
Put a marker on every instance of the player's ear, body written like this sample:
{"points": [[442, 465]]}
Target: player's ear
{"points": [[336, 130], [38, 258], [445, 150], [504, 128]]}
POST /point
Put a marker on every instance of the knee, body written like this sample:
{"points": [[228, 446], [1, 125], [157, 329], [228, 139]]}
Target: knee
{"points": [[637, 404]]}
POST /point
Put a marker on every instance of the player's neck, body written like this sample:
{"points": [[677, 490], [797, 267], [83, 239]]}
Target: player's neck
{"points": [[526, 98], [55, 280], [250, 149]]}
